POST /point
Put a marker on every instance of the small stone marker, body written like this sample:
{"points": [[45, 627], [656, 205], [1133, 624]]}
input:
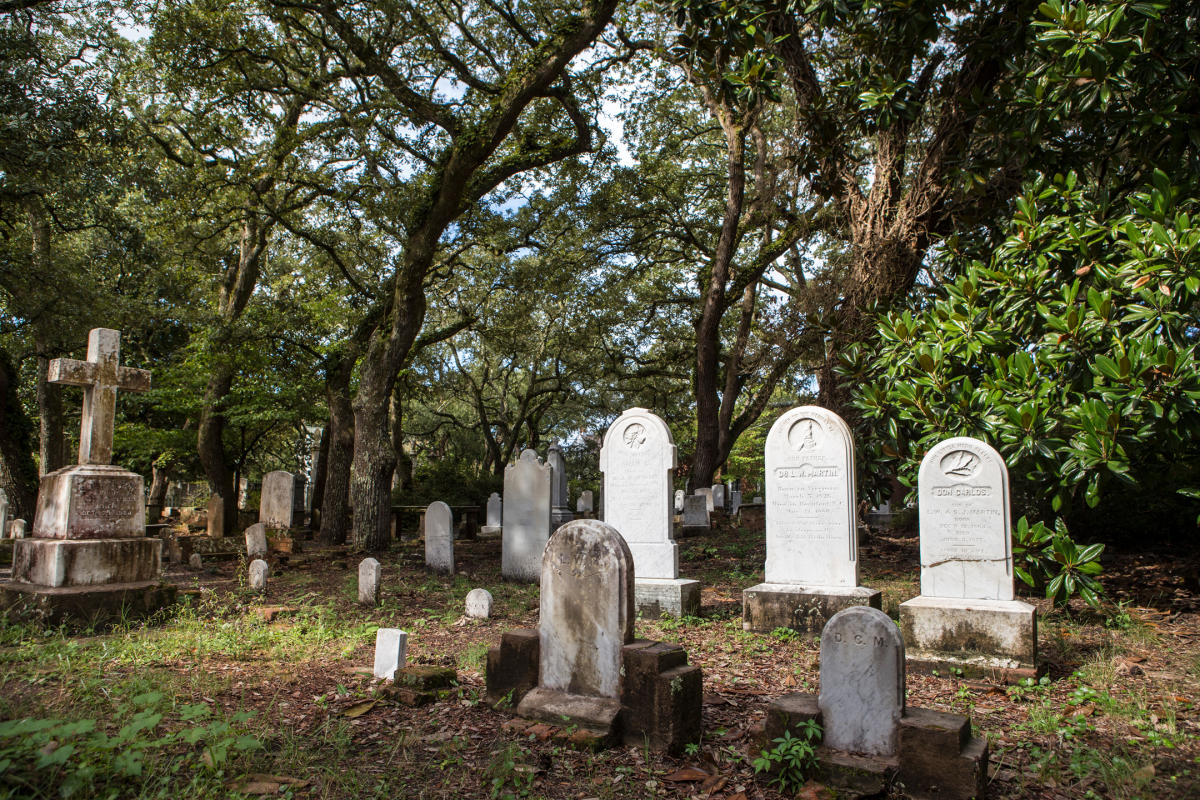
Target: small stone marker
{"points": [[718, 496], [282, 494], [638, 460], [439, 538], [195, 561], [526, 517], [495, 510], [812, 535], [390, 647], [758, 501], [695, 515], [16, 529], [966, 620], [679, 495], [862, 681], [585, 504], [560, 499], [259, 572], [869, 736], [369, 579], [256, 540], [707, 493], [479, 604]]}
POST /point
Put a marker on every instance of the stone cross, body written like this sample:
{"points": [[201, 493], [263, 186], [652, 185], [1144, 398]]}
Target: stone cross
{"points": [[100, 376]]}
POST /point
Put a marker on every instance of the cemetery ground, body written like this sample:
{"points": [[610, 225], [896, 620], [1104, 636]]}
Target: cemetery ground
{"points": [[235, 694]]}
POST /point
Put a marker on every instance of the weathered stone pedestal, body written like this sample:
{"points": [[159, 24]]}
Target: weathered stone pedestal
{"points": [[768, 606], [994, 639], [678, 597], [490, 532]]}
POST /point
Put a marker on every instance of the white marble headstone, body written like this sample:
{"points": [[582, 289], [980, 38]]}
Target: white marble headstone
{"points": [[494, 511], [586, 609], [256, 540], [637, 459], [259, 572], [718, 496], [526, 517], [277, 500], [706, 493], [439, 538], [966, 544], [390, 647], [812, 540], [369, 577], [862, 681], [479, 604], [679, 495], [16, 528], [585, 504]]}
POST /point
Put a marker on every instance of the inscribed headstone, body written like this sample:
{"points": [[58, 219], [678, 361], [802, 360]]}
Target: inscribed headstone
{"points": [[966, 544], [586, 609], [637, 459], [390, 647], [277, 502], [369, 577], [695, 511], [439, 538], [812, 539], [526, 517], [256, 540], [862, 681], [479, 604]]}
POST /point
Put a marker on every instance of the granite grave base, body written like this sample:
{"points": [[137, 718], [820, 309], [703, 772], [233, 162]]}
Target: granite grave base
{"points": [[936, 756], [677, 597], [768, 606]]}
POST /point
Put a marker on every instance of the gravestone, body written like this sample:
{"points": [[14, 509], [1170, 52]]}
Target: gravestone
{"points": [[812, 537], [869, 737], [707, 493], [3, 513], [679, 495], [196, 561], [494, 511], [390, 647], [17, 528], [718, 496], [89, 555], [735, 502], [560, 499], [582, 668], [439, 538], [256, 540], [526, 527], [695, 515], [281, 502], [758, 501], [370, 576], [638, 460], [966, 620], [479, 604], [585, 504], [259, 572]]}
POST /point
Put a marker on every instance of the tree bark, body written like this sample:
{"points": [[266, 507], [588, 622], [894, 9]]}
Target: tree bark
{"points": [[210, 447], [159, 480], [52, 443], [18, 472], [335, 500], [318, 484]]}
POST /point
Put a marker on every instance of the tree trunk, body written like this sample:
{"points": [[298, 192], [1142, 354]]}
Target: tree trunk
{"points": [[52, 440], [335, 504], [159, 481], [210, 446], [402, 480], [318, 483], [18, 472]]}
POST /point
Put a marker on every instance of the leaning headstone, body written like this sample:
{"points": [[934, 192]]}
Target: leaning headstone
{"points": [[16, 529], [560, 510], [494, 511], [585, 504], [812, 537], [707, 493], [526, 517], [259, 572], [966, 620], [370, 576], [679, 495], [195, 561], [638, 460], [582, 668], [282, 494], [479, 604], [256, 540], [89, 556], [439, 538], [869, 737], [718, 496], [390, 646], [695, 515]]}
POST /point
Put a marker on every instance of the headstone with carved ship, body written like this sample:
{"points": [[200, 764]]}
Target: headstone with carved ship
{"points": [[89, 558]]}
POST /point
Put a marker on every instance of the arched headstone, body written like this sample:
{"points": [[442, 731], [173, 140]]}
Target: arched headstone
{"points": [[862, 681], [526, 525], [439, 538]]}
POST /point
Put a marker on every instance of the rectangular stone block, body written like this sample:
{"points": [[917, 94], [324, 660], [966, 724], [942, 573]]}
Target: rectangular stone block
{"points": [[788, 713], [768, 606], [986, 634], [938, 758], [661, 696], [86, 605], [512, 668], [58, 562], [679, 597], [598, 715], [92, 501]]}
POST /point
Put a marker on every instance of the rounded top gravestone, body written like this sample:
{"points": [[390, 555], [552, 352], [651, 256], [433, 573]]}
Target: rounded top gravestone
{"points": [[479, 604], [586, 609], [862, 681], [812, 540], [966, 545], [439, 537], [526, 516]]}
